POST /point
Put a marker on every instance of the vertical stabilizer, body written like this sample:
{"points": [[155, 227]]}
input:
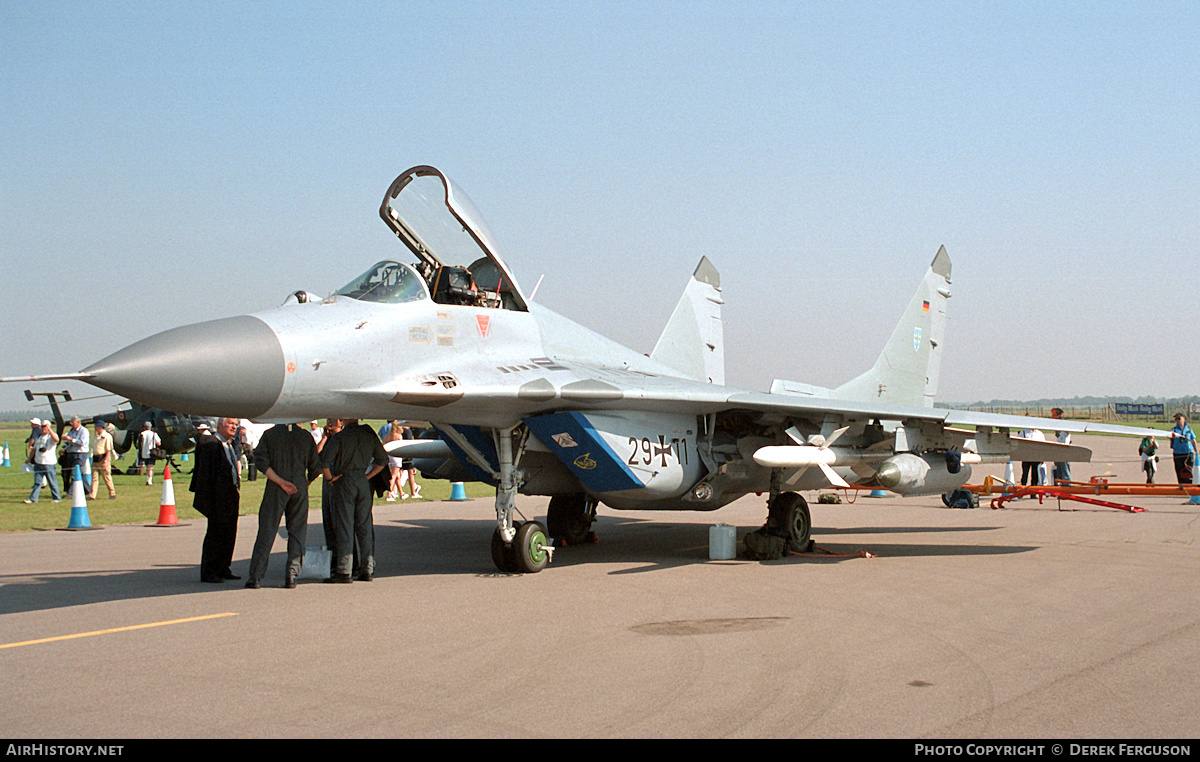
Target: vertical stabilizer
{"points": [[693, 341], [906, 372]]}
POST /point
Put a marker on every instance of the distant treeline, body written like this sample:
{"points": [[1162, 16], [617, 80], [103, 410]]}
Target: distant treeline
{"points": [[1082, 408], [1065, 402]]}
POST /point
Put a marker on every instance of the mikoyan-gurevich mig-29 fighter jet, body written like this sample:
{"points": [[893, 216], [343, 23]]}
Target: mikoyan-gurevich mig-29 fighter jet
{"points": [[533, 403]]}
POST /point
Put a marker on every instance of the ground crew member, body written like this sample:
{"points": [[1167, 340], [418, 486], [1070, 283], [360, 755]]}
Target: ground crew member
{"points": [[344, 463], [287, 455], [332, 426]]}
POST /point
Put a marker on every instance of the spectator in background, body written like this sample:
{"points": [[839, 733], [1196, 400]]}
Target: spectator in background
{"points": [[1183, 447], [394, 433], [35, 431], [1062, 469], [1148, 449], [43, 452], [148, 441], [1030, 469], [407, 465], [76, 448], [102, 449]]}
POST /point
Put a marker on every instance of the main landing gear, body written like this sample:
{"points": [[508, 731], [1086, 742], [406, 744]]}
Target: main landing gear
{"points": [[788, 529], [569, 519], [788, 517]]}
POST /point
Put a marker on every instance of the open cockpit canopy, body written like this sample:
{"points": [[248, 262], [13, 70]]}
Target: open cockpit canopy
{"points": [[456, 252]]}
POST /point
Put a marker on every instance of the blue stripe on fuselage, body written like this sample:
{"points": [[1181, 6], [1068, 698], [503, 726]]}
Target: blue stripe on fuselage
{"points": [[587, 455]]}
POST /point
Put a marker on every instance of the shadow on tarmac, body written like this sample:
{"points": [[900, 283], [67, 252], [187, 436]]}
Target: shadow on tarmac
{"points": [[409, 548]]}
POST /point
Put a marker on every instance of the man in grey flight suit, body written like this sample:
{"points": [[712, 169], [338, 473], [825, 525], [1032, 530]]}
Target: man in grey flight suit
{"points": [[345, 461], [287, 455]]}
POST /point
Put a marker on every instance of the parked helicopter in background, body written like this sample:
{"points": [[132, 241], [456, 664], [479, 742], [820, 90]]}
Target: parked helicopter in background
{"points": [[176, 432]]}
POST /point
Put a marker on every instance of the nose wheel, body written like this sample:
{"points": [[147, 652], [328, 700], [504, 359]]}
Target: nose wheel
{"points": [[516, 547], [528, 553], [504, 556]]}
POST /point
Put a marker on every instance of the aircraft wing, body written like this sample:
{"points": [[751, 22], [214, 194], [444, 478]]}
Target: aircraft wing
{"points": [[948, 416], [977, 419], [621, 432], [1036, 450], [579, 386]]}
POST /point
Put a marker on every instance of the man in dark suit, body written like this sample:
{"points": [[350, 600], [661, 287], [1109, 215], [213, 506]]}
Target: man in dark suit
{"points": [[216, 480]]}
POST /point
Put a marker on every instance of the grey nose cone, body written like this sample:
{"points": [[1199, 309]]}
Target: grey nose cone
{"points": [[229, 367]]}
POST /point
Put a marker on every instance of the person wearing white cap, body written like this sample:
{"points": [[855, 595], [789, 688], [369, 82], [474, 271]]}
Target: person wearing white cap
{"points": [[45, 458], [35, 430]]}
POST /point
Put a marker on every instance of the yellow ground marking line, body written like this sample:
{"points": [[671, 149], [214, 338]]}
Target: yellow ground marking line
{"points": [[115, 629]]}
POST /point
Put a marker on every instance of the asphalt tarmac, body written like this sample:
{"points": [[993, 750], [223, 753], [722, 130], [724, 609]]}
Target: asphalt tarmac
{"points": [[1025, 622]]}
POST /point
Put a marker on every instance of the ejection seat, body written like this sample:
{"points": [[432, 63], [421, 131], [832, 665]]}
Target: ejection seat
{"points": [[454, 285]]}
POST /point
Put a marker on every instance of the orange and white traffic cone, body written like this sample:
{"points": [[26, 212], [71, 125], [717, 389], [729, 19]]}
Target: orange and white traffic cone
{"points": [[166, 510]]}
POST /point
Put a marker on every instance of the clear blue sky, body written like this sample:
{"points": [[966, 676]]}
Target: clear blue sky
{"points": [[171, 162]]}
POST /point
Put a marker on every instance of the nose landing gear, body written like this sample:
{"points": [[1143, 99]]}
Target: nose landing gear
{"points": [[528, 553]]}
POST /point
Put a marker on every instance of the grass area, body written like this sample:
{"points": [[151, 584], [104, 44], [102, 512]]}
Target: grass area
{"points": [[137, 503]]}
